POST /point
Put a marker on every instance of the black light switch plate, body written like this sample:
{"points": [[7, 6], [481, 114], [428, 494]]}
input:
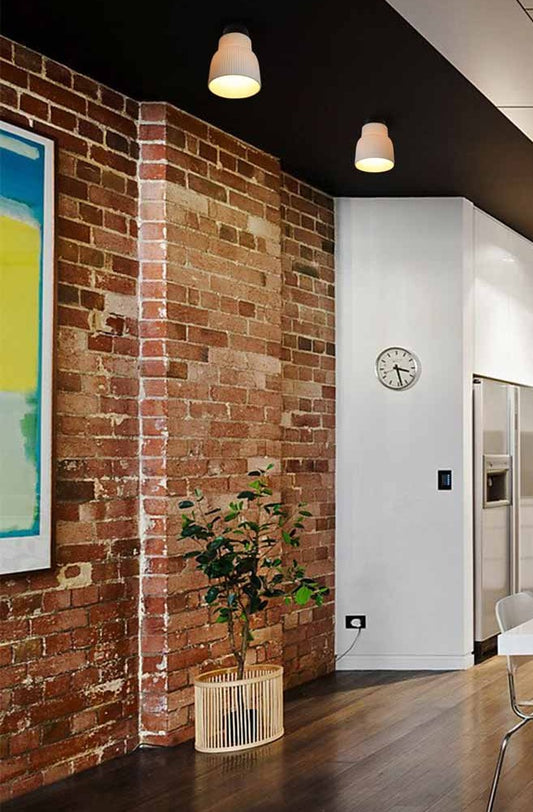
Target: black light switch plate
{"points": [[444, 480]]}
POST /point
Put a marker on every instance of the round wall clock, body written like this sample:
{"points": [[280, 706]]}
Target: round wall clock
{"points": [[397, 368]]}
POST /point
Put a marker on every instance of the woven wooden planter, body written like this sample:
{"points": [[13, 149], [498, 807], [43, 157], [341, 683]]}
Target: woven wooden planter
{"points": [[234, 714]]}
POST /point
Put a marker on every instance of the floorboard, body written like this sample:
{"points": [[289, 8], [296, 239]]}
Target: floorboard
{"points": [[355, 742]]}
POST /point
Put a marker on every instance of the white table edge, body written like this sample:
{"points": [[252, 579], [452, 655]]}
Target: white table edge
{"points": [[517, 641]]}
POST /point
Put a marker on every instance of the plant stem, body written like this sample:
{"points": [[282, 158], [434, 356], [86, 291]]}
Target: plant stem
{"points": [[244, 645], [234, 647]]}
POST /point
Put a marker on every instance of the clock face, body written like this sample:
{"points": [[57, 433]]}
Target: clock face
{"points": [[397, 368]]}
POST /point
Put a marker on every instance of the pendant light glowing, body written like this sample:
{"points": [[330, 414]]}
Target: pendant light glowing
{"points": [[234, 71], [374, 151]]}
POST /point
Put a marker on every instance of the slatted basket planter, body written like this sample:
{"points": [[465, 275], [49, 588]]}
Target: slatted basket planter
{"points": [[233, 714]]}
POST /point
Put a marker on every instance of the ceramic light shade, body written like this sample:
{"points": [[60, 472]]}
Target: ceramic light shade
{"points": [[234, 71], [374, 151]]}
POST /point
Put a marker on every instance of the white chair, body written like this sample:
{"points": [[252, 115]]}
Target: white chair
{"points": [[511, 612]]}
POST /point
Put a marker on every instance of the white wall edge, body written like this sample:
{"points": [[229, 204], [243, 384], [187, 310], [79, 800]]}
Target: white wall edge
{"points": [[503, 225], [408, 663]]}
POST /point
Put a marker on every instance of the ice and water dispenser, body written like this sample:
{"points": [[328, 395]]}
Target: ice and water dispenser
{"points": [[496, 480]]}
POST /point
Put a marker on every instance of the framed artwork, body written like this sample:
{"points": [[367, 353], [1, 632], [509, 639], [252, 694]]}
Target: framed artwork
{"points": [[27, 305]]}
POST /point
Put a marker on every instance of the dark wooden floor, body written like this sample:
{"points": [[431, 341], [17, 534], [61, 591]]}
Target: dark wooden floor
{"points": [[355, 742]]}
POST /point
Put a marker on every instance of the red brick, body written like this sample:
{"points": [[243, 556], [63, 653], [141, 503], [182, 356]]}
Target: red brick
{"points": [[55, 731], [63, 119], [58, 73], [6, 49], [24, 741], [33, 106], [90, 130], [14, 75], [8, 97], [58, 95], [200, 335], [28, 59], [12, 676], [108, 158], [123, 124], [112, 99], [69, 619], [85, 86], [29, 649], [208, 188]]}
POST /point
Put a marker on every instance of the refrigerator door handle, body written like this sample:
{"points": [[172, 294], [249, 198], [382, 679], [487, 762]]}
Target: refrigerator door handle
{"points": [[514, 446], [477, 393]]}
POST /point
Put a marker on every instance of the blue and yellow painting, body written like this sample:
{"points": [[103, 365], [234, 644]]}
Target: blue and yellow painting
{"points": [[22, 171]]}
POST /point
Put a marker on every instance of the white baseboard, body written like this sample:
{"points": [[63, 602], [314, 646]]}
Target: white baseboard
{"points": [[419, 662]]}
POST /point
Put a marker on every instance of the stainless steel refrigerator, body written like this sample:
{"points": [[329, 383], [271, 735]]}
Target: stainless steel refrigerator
{"points": [[503, 499]]}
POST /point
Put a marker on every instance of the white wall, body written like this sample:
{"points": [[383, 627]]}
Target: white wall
{"points": [[455, 286], [403, 557], [503, 302]]}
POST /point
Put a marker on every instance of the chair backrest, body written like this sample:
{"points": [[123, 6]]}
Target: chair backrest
{"points": [[512, 611]]}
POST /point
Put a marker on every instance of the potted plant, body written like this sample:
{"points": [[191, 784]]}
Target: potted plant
{"points": [[239, 550]]}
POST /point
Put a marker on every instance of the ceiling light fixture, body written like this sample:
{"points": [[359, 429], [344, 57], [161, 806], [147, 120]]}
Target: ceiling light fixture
{"points": [[374, 151], [234, 71]]}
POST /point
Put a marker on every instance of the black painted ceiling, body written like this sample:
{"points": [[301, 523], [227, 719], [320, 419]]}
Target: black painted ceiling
{"points": [[327, 65]]}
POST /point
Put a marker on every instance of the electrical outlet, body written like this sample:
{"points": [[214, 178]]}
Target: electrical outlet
{"points": [[356, 621]]}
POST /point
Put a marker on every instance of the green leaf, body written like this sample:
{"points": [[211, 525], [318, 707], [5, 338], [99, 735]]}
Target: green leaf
{"points": [[286, 537], [302, 595], [223, 614], [250, 495], [212, 594], [186, 503]]}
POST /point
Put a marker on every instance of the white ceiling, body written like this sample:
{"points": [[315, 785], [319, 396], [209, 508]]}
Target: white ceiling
{"points": [[489, 41], [528, 6]]}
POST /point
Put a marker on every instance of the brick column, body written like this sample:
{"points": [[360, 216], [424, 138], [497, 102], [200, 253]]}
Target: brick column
{"points": [[211, 379], [308, 385]]}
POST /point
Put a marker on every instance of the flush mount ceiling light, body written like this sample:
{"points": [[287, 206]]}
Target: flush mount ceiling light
{"points": [[234, 71], [374, 151]]}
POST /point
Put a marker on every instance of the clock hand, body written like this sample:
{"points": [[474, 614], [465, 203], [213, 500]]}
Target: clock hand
{"points": [[397, 368], [403, 370]]}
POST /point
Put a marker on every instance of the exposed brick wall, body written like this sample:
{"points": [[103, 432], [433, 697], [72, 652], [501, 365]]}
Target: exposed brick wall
{"points": [[69, 685], [211, 341], [308, 386], [226, 364]]}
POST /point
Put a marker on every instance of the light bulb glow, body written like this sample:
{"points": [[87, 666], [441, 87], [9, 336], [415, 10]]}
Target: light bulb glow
{"points": [[234, 86], [374, 164]]}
